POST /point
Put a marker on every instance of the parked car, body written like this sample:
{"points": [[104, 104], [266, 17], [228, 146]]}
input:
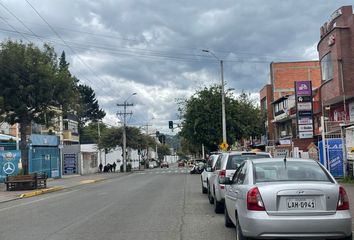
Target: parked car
{"points": [[181, 164], [286, 198], [164, 164], [152, 164], [208, 171], [198, 167], [225, 167]]}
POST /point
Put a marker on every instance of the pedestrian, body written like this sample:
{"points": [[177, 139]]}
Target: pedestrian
{"points": [[114, 166], [109, 167], [100, 167], [105, 169]]}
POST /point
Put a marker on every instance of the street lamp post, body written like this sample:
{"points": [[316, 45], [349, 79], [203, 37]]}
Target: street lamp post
{"points": [[223, 114], [124, 132]]}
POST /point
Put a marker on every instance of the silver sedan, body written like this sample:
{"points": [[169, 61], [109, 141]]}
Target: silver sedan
{"points": [[286, 198]]}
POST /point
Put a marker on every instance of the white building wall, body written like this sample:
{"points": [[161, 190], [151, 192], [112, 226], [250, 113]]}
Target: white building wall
{"points": [[88, 159]]}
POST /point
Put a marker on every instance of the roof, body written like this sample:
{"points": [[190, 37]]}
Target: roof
{"points": [[5, 137], [282, 98]]}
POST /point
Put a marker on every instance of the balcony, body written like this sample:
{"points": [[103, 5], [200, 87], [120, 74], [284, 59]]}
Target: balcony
{"points": [[70, 136]]}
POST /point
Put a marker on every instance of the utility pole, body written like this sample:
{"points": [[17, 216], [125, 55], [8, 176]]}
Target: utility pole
{"points": [[146, 162], [124, 114], [99, 140]]}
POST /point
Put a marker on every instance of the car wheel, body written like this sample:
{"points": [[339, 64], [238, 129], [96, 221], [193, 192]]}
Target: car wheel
{"points": [[348, 238], [211, 199], [218, 206], [228, 222], [204, 190], [239, 235]]}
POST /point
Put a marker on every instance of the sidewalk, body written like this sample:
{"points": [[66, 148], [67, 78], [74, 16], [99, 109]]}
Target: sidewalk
{"points": [[57, 185]]}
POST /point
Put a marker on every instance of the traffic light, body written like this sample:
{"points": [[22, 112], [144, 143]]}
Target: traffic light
{"points": [[170, 124]]}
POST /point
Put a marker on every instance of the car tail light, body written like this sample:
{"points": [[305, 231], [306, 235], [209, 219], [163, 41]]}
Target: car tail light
{"points": [[222, 173], [254, 200], [343, 201]]}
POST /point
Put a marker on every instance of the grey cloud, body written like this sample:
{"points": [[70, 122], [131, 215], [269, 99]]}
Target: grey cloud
{"points": [[154, 47]]}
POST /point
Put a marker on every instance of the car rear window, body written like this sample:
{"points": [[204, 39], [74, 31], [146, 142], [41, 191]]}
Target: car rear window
{"points": [[289, 171], [235, 161]]}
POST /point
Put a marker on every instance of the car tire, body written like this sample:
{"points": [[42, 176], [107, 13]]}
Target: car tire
{"points": [[211, 199], [349, 237], [218, 206], [239, 235], [204, 190], [228, 222]]}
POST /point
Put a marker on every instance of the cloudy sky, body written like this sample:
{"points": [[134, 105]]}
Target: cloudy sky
{"points": [[154, 47]]}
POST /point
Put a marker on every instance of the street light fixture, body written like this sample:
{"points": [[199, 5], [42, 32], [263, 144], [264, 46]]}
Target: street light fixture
{"points": [[125, 133], [224, 139]]}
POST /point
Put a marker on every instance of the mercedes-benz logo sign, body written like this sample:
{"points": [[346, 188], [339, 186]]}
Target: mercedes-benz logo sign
{"points": [[9, 168]]}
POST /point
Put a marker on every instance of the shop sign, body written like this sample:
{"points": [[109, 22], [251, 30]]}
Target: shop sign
{"points": [[304, 120], [305, 113], [304, 128], [301, 106], [303, 88], [305, 135]]}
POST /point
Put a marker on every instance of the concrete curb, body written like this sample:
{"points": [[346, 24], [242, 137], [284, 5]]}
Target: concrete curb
{"points": [[55, 189], [40, 192], [92, 181]]}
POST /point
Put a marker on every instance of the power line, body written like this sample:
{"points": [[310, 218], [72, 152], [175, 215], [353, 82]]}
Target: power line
{"points": [[14, 29], [8, 10], [57, 34]]}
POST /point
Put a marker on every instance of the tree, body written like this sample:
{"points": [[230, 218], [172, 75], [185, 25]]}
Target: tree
{"points": [[32, 88], [201, 116], [163, 150], [135, 139], [89, 133], [89, 109]]}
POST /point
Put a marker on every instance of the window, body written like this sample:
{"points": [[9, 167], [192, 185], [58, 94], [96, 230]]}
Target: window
{"points": [[242, 175], [235, 161], [327, 67], [289, 171], [218, 163]]}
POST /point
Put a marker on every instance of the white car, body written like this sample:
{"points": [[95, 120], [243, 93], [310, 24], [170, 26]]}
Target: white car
{"points": [[152, 164], [225, 167], [208, 171]]}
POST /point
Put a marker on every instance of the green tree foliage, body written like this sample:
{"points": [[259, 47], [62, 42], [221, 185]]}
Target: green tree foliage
{"points": [[89, 133], [135, 139], [202, 123], [32, 88], [163, 150], [89, 108]]}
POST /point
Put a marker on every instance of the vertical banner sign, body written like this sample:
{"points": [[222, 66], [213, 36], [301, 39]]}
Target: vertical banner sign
{"points": [[303, 95], [334, 149], [9, 163], [70, 164]]}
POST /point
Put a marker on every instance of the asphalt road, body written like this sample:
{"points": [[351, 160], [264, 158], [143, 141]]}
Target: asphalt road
{"points": [[154, 204]]}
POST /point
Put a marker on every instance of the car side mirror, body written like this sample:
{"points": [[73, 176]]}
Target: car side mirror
{"points": [[226, 181]]}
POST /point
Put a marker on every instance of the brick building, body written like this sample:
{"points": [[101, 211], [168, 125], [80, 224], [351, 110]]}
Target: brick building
{"points": [[336, 54], [278, 99]]}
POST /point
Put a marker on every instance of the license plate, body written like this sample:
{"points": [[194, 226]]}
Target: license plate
{"points": [[301, 203]]}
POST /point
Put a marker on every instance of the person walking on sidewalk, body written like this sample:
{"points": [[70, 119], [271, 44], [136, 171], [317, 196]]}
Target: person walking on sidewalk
{"points": [[100, 167], [114, 166]]}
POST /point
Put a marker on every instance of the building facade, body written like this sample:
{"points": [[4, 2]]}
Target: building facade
{"points": [[336, 54], [278, 101]]}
